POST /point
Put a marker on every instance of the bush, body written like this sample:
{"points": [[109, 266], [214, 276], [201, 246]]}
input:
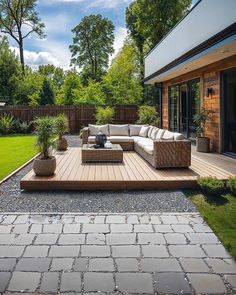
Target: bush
{"points": [[22, 127], [231, 184], [104, 115], [7, 124], [61, 125], [211, 185], [148, 115]]}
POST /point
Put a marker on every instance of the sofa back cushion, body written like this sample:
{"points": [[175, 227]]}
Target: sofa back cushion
{"points": [[159, 134], [144, 131], [168, 135], [135, 129], [154, 133], [150, 131], [178, 136], [94, 129], [120, 130]]}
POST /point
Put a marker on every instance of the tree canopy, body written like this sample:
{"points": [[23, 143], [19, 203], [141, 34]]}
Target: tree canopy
{"points": [[19, 19], [10, 71], [92, 45]]}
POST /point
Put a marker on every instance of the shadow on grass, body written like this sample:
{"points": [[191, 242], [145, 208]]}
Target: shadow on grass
{"points": [[216, 200]]}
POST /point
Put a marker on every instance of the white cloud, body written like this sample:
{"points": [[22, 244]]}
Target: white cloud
{"points": [[35, 59], [120, 35]]}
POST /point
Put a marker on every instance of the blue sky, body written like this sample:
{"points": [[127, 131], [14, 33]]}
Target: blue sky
{"points": [[60, 16]]}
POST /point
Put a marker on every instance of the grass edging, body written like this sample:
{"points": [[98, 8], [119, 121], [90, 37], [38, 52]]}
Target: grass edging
{"points": [[18, 169]]}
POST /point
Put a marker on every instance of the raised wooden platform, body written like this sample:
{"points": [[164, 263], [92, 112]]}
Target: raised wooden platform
{"points": [[133, 173]]}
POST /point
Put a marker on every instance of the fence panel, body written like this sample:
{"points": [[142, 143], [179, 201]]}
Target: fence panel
{"points": [[78, 116]]}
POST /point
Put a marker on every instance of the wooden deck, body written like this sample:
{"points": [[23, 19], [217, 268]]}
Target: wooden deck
{"points": [[133, 173]]}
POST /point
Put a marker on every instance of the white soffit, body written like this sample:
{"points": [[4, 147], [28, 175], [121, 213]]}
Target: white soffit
{"points": [[208, 18], [203, 59]]}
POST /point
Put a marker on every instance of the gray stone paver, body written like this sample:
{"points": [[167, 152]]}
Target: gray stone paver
{"points": [[207, 283], [33, 264], [36, 251], [46, 239], [4, 280], [111, 254], [96, 239], [49, 282], [127, 264], [24, 281], [59, 264], [134, 283], [102, 282], [71, 282], [174, 283]]}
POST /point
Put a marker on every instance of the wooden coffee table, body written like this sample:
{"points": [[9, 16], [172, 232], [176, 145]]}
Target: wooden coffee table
{"points": [[102, 155]]}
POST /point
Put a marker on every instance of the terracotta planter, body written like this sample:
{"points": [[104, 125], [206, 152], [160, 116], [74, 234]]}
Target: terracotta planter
{"points": [[62, 144], [203, 144], [44, 167]]}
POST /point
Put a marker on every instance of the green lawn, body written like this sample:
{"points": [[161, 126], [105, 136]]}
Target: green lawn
{"points": [[15, 150], [220, 214]]}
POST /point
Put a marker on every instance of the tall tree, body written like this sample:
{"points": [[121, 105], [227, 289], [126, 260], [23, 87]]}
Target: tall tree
{"points": [[10, 71], [92, 45], [149, 21], [19, 19], [47, 96], [122, 81]]}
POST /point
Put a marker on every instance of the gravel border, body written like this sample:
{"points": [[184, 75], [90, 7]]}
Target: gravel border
{"points": [[12, 199]]}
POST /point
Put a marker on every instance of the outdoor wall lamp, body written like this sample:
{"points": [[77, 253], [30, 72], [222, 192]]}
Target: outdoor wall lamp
{"points": [[209, 91]]}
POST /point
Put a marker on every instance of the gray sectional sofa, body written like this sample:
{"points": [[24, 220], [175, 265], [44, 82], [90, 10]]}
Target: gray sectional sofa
{"points": [[161, 148]]}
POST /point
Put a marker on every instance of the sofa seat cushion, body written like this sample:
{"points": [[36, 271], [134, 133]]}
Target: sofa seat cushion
{"points": [[149, 149], [144, 142], [113, 139], [135, 129], [120, 139], [94, 129], [119, 130]]}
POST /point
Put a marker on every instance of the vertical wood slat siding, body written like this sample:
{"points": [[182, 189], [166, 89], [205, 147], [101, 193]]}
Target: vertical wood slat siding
{"points": [[79, 116], [209, 77]]}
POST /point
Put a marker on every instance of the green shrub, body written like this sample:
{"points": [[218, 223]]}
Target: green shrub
{"points": [[22, 126], [231, 184], [104, 115], [61, 125], [7, 124], [211, 185], [148, 115]]}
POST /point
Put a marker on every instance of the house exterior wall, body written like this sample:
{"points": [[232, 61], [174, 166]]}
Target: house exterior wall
{"points": [[209, 77]]}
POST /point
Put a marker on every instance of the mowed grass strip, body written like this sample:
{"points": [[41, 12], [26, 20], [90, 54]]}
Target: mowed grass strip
{"points": [[15, 150], [220, 214]]}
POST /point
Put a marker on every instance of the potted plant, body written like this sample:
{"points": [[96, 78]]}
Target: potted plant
{"points": [[200, 119], [45, 164], [61, 127]]}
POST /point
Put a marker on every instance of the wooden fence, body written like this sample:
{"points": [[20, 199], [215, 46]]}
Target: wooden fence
{"points": [[78, 116]]}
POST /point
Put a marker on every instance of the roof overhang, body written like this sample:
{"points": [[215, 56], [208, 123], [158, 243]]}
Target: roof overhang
{"points": [[204, 36], [217, 52]]}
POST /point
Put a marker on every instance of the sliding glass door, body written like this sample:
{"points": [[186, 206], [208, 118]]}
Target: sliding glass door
{"points": [[184, 103], [229, 112]]}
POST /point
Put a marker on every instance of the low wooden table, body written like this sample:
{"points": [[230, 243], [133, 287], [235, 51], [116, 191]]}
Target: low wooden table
{"points": [[102, 155]]}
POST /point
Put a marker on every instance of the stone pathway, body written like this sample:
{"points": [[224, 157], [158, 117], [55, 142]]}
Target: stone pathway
{"points": [[112, 254]]}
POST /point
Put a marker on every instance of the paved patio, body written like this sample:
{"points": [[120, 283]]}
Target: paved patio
{"points": [[112, 254]]}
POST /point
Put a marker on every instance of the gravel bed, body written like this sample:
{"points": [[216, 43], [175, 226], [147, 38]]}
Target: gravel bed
{"points": [[12, 199]]}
